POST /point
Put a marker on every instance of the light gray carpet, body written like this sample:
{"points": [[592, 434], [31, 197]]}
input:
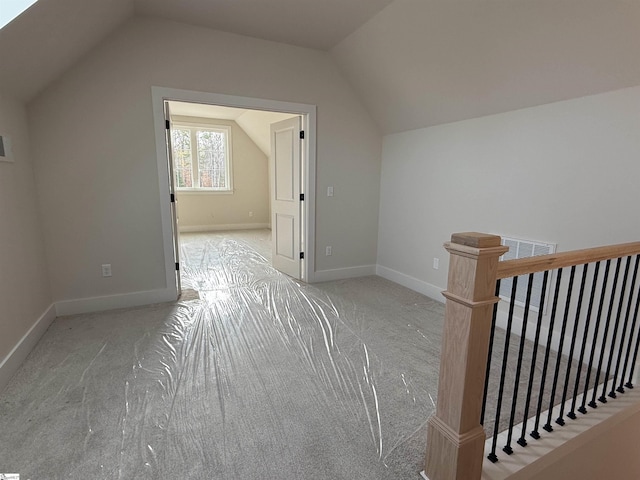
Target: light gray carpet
{"points": [[262, 377]]}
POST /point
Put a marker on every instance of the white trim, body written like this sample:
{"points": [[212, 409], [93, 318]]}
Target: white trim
{"points": [[424, 475], [415, 284], [224, 227], [27, 343], [112, 302], [308, 112], [342, 273]]}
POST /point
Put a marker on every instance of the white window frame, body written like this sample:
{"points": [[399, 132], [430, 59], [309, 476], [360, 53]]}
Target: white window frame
{"points": [[194, 127]]}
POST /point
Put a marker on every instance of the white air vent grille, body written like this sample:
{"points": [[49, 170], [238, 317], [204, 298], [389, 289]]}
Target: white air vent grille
{"points": [[524, 249]]}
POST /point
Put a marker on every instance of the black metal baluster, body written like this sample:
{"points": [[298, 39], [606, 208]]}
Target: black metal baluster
{"points": [[629, 384], [489, 355], [516, 382], [565, 319], [522, 441], [492, 455], [585, 336], [576, 324], [612, 393], [620, 388], [633, 328], [603, 295], [535, 433], [602, 398]]}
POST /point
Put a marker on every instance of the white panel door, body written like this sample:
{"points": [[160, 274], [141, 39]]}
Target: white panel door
{"points": [[285, 196], [173, 199]]}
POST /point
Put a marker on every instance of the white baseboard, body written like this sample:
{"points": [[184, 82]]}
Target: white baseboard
{"points": [[342, 273], [412, 283], [111, 302], [218, 228], [19, 353]]}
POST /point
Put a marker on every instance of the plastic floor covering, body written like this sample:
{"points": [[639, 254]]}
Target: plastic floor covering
{"points": [[252, 375]]}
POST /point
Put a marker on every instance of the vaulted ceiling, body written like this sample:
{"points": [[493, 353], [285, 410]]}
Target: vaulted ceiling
{"points": [[427, 62], [414, 63], [317, 24], [50, 36]]}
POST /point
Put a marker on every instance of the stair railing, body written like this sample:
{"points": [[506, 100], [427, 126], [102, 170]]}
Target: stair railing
{"points": [[582, 351]]}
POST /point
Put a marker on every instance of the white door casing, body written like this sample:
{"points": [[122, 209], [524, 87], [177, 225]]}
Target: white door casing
{"points": [[173, 198], [309, 116], [285, 189]]}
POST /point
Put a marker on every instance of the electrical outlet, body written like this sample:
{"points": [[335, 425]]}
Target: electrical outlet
{"points": [[250, 214], [329, 191], [328, 251], [436, 263], [106, 270]]}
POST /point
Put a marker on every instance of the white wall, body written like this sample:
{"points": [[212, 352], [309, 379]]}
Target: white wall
{"points": [[95, 155], [250, 169], [24, 286], [565, 173]]}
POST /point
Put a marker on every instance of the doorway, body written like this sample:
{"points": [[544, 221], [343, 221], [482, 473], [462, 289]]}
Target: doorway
{"points": [[212, 110]]}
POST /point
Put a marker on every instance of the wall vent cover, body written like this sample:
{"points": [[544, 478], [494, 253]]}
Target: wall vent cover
{"points": [[524, 249]]}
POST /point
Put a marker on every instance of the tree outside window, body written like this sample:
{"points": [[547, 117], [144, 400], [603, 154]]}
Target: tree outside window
{"points": [[202, 158]]}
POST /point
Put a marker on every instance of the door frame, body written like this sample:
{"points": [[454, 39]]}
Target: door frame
{"points": [[173, 205], [308, 181]]}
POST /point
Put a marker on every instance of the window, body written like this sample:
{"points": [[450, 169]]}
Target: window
{"points": [[12, 8], [202, 158]]}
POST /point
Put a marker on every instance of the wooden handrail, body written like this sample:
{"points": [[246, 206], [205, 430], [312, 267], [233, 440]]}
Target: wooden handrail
{"points": [[455, 437], [523, 266]]}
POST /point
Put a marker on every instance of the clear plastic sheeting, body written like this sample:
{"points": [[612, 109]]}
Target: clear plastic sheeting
{"points": [[253, 375]]}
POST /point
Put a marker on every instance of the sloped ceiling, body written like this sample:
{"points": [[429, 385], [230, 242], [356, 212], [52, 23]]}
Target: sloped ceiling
{"points": [[414, 63], [50, 37], [319, 24], [187, 109], [255, 123], [427, 62]]}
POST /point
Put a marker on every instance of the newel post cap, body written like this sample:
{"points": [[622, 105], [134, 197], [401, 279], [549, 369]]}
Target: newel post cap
{"points": [[476, 239]]}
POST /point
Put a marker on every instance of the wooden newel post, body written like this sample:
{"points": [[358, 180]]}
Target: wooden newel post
{"points": [[455, 442]]}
